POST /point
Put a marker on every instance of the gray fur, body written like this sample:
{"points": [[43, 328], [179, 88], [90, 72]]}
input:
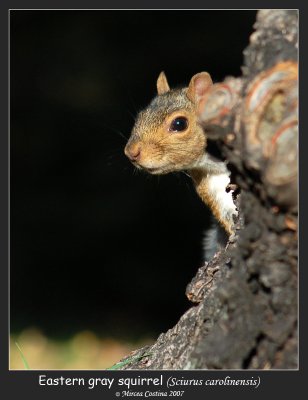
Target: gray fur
{"points": [[150, 118], [215, 239]]}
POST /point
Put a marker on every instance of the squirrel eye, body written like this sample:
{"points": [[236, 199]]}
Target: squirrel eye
{"points": [[179, 124]]}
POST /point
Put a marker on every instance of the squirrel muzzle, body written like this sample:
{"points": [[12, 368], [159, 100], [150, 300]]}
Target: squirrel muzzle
{"points": [[133, 151]]}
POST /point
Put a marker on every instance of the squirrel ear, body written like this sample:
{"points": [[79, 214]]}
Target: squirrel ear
{"points": [[198, 86], [162, 84]]}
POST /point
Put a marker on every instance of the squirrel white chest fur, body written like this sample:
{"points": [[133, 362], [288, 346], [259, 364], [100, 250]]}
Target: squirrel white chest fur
{"points": [[211, 178], [217, 185]]}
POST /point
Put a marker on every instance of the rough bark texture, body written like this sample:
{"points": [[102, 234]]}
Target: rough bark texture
{"points": [[245, 299]]}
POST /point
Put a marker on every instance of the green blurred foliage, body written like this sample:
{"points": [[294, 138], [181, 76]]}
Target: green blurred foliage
{"points": [[84, 350]]}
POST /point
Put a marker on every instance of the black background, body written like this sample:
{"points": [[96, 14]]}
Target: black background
{"points": [[94, 245]]}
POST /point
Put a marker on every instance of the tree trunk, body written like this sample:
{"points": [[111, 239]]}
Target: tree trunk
{"points": [[245, 312]]}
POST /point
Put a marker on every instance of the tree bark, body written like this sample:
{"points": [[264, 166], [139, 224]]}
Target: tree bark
{"points": [[245, 299]]}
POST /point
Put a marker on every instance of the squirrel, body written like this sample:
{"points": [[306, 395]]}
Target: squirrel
{"points": [[167, 137]]}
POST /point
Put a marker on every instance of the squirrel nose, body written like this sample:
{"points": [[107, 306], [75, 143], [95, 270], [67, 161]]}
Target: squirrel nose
{"points": [[133, 151]]}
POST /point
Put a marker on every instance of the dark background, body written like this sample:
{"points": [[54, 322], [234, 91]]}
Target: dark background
{"points": [[93, 245]]}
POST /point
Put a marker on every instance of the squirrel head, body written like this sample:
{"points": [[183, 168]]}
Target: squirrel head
{"points": [[166, 136]]}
